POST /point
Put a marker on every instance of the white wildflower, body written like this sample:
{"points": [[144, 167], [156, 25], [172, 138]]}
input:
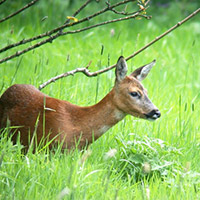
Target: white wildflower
{"points": [[111, 153]]}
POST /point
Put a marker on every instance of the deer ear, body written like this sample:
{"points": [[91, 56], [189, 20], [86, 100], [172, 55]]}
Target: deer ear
{"points": [[142, 72], [121, 69]]}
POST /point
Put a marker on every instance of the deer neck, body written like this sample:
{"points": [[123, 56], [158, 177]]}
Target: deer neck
{"points": [[102, 116]]}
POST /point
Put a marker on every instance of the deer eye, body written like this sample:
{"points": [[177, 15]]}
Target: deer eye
{"points": [[135, 94]]}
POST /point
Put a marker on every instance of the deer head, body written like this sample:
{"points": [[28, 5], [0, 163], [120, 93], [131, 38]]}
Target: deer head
{"points": [[130, 95]]}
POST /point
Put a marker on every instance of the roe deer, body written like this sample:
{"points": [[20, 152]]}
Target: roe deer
{"points": [[34, 112]]}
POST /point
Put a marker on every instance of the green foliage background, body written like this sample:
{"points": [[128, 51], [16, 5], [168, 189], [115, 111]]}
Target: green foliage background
{"points": [[117, 165]]}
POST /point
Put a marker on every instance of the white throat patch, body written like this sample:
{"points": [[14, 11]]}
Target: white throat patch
{"points": [[103, 129], [119, 115]]}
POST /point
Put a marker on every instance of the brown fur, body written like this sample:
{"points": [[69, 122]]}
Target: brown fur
{"points": [[36, 113]]}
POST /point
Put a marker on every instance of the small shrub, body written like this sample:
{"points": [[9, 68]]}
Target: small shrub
{"points": [[146, 157]]}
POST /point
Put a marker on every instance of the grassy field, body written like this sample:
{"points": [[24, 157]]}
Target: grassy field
{"points": [[135, 159]]}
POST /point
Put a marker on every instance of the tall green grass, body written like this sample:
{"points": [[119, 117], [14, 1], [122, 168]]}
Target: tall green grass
{"points": [[121, 164]]}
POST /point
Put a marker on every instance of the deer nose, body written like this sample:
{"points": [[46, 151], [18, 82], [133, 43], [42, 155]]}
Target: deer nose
{"points": [[154, 114]]}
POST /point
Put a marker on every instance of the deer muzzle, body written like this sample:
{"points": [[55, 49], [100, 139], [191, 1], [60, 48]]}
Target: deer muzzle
{"points": [[153, 115]]}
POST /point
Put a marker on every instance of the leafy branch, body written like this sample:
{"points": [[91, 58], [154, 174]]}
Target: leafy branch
{"points": [[86, 71]]}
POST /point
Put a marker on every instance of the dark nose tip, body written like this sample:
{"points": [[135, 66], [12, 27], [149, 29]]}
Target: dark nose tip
{"points": [[154, 114], [157, 113]]}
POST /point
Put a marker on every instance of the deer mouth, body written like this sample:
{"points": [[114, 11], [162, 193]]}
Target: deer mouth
{"points": [[153, 115]]}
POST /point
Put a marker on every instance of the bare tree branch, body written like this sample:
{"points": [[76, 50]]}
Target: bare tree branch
{"points": [[19, 11], [60, 28], [24, 41], [92, 74], [51, 38]]}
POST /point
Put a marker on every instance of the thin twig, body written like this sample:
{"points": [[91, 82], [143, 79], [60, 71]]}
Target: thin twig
{"points": [[165, 33], [19, 11], [123, 12], [92, 74], [2, 1], [83, 70], [51, 38], [79, 10], [53, 31], [146, 2]]}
